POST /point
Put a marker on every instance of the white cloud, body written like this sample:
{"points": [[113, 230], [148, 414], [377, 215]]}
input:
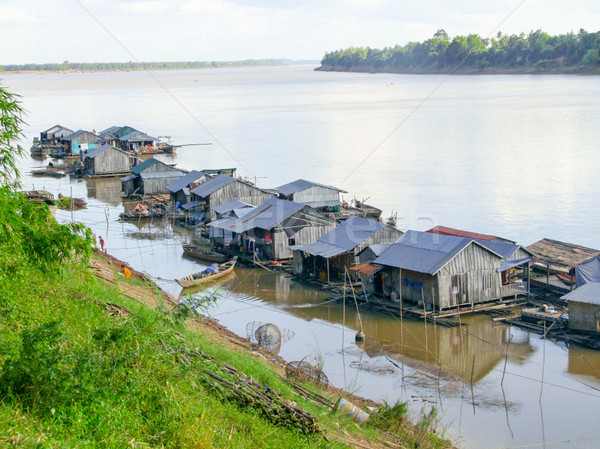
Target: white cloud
{"points": [[14, 15], [145, 6]]}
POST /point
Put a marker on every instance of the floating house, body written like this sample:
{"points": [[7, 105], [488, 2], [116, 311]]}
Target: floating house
{"points": [[328, 258], [80, 141], [181, 188], [557, 262], [222, 189], [150, 177], [137, 141], [114, 133], [315, 195], [438, 271], [270, 230], [515, 272], [107, 160], [584, 307], [55, 134]]}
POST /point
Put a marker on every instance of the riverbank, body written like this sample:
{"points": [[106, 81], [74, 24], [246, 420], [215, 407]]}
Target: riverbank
{"points": [[458, 70], [91, 358]]}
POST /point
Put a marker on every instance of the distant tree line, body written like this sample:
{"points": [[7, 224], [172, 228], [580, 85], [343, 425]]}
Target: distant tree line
{"points": [[124, 66], [535, 52]]}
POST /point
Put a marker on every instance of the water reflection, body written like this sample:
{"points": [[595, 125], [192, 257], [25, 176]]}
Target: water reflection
{"points": [[107, 190]]}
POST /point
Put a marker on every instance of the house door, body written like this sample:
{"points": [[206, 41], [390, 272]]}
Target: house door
{"points": [[458, 289]]}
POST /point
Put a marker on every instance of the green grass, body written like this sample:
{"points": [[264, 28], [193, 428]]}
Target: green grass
{"points": [[83, 366]]}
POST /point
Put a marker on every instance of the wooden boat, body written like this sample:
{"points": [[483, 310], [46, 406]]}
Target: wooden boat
{"points": [[566, 279], [199, 252], [201, 278]]}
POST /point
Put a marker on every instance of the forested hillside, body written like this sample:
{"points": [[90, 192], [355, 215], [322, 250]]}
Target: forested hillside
{"points": [[537, 52], [129, 66]]}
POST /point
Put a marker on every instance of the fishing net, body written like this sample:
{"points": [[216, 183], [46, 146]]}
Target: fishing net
{"points": [[303, 370], [268, 335]]}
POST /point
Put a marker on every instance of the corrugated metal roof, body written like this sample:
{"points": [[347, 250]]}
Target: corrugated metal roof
{"points": [[231, 205], [144, 165], [98, 151], [137, 136], [503, 248], [588, 293], [424, 252], [56, 128], [379, 248], [302, 184], [102, 149], [343, 238], [185, 181], [266, 216], [76, 134], [212, 185], [161, 174]]}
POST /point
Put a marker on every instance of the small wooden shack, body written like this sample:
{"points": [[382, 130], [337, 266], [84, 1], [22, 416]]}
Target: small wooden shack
{"points": [[150, 177], [439, 271], [81, 141], [311, 193], [328, 258], [107, 160], [270, 230], [181, 188], [584, 307], [222, 189]]}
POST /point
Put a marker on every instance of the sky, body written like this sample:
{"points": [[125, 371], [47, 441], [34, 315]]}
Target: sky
{"points": [[41, 31]]}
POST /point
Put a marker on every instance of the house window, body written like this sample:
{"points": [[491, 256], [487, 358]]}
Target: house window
{"points": [[291, 241]]}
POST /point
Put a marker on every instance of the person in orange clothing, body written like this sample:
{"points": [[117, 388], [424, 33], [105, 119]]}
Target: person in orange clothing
{"points": [[126, 271]]}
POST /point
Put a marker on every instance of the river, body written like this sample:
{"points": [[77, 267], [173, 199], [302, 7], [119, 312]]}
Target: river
{"points": [[511, 155]]}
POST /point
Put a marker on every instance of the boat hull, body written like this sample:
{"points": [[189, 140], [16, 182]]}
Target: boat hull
{"points": [[199, 279]]}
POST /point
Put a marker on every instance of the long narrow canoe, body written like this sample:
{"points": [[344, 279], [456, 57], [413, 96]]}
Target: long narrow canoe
{"points": [[198, 252], [201, 277]]}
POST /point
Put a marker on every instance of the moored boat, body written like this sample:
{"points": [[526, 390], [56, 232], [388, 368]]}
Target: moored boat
{"points": [[212, 273], [199, 252]]}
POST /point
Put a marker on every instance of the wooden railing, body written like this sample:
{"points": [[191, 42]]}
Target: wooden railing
{"points": [[514, 289]]}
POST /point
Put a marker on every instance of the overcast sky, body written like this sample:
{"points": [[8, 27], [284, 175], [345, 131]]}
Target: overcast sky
{"points": [[220, 30]]}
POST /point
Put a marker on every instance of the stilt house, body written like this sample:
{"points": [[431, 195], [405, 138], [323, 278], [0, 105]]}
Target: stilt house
{"points": [[328, 258], [270, 230], [222, 189], [439, 271]]}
